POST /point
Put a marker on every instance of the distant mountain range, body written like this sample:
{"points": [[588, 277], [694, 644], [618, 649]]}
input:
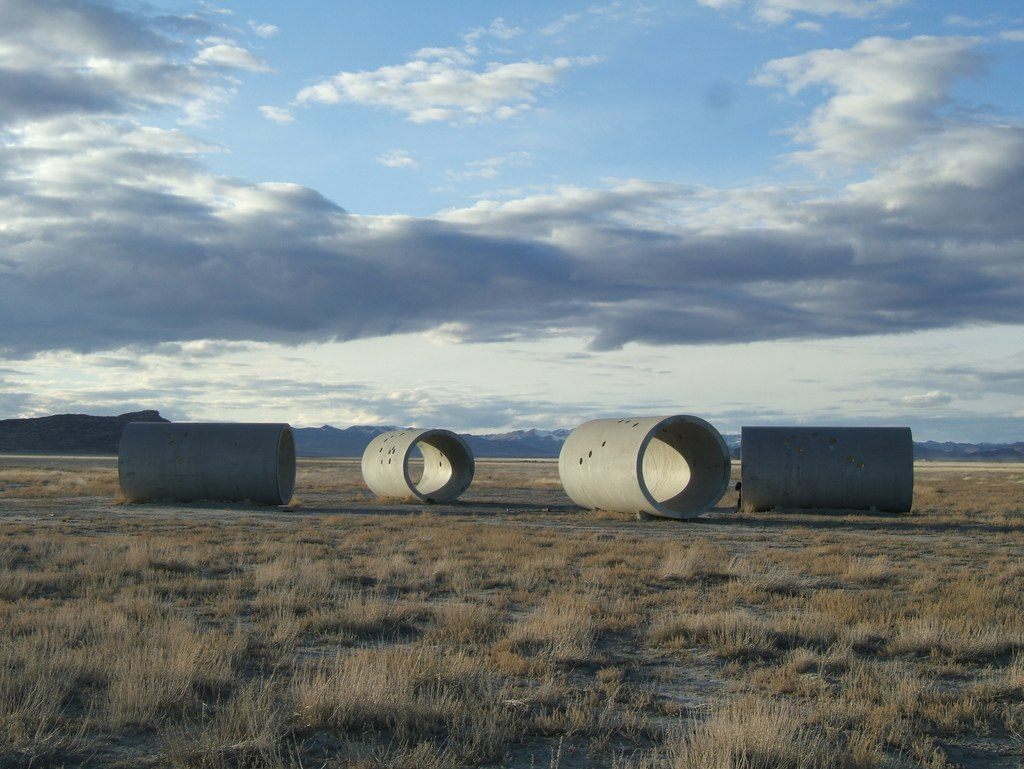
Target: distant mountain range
{"points": [[68, 433], [84, 434]]}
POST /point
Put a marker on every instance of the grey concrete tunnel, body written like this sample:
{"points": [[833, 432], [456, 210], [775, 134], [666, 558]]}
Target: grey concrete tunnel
{"points": [[673, 466], [187, 461], [448, 465], [835, 468]]}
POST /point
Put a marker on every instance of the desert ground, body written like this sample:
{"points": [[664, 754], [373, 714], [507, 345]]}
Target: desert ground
{"points": [[509, 629]]}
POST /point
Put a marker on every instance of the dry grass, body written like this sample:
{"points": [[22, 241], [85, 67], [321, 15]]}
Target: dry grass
{"points": [[505, 630], [754, 733]]}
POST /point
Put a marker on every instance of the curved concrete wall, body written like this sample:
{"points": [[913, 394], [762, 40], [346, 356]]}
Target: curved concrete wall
{"points": [[196, 460], [839, 468], [448, 465], [674, 467]]}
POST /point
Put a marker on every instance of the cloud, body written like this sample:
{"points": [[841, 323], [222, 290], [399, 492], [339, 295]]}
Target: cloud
{"points": [[561, 24], [263, 30], [498, 28], [883, 93], [88, 58], [398, 159], [114, 233], [220, 52], [277, 114], [446, 85], [489, 168], [782, 11], [967, 22], [926, 400]]}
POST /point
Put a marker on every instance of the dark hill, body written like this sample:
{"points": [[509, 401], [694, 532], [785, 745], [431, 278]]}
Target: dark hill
{"points": [[68, 433]]}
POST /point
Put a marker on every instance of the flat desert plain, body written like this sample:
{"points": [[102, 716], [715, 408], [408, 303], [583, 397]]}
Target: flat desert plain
{"points": [[509, 629]]}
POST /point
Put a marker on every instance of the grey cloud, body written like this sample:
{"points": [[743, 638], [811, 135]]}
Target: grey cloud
{"points": [[39, 95], [282, 263], [135, 242], [86, 57]]}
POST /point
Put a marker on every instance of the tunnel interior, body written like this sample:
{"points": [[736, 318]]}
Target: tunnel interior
{"points": [[685, 466], [445, 470]]}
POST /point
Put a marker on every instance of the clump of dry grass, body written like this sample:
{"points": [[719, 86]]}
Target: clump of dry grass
{"points": [[869, 571], [247, 728], [754, 733], [962, 640], [412, 692], [465, 624], [702, 559], [562, 627]]}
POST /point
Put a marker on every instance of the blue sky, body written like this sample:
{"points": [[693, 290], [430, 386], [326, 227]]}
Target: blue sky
{"points": [[492, 215]]}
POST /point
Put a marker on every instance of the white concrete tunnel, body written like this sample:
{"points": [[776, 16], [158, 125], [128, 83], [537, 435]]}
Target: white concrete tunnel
{"points": [[185, 461], [390, 470], [672, 467]]}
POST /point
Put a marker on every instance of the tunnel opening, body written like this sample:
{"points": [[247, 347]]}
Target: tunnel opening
{"points": [[414, 465], [443, 468], [286, 465], [684, 466]]}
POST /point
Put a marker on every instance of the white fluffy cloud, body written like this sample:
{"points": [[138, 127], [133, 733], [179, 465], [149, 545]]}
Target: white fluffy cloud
{"points": [[927, 400], [277, 114], [883, 93], [263, 30], [446, 84], [397, 159], [221, 52], [781, 11]]}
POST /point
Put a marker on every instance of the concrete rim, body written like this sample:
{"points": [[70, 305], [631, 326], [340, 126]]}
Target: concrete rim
{"points": [[467, 456], [286, 464], [708, 428]]}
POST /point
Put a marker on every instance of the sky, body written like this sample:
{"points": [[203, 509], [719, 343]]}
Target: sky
{"points": [[488, 215]]}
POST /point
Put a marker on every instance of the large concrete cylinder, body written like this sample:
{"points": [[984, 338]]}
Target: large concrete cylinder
{"points": [[448, 465], [838, 468], [674, 467], [195, 460]]}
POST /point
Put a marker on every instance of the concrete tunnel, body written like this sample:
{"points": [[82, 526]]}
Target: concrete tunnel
{"points": [[186, 461], [672, 467], [448, 465], [832, 468]]}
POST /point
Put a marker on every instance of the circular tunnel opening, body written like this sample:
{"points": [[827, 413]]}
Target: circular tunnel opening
{"points": [[286, 465], [684, 466], [439, 466]]}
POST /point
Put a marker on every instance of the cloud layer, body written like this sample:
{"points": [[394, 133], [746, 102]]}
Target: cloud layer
{"points": [[114, 233]]}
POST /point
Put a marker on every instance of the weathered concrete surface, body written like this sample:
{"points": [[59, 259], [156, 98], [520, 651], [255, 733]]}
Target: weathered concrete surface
{"points": [[675, 466], [207, 460], [839, 468], [448, 465]]}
